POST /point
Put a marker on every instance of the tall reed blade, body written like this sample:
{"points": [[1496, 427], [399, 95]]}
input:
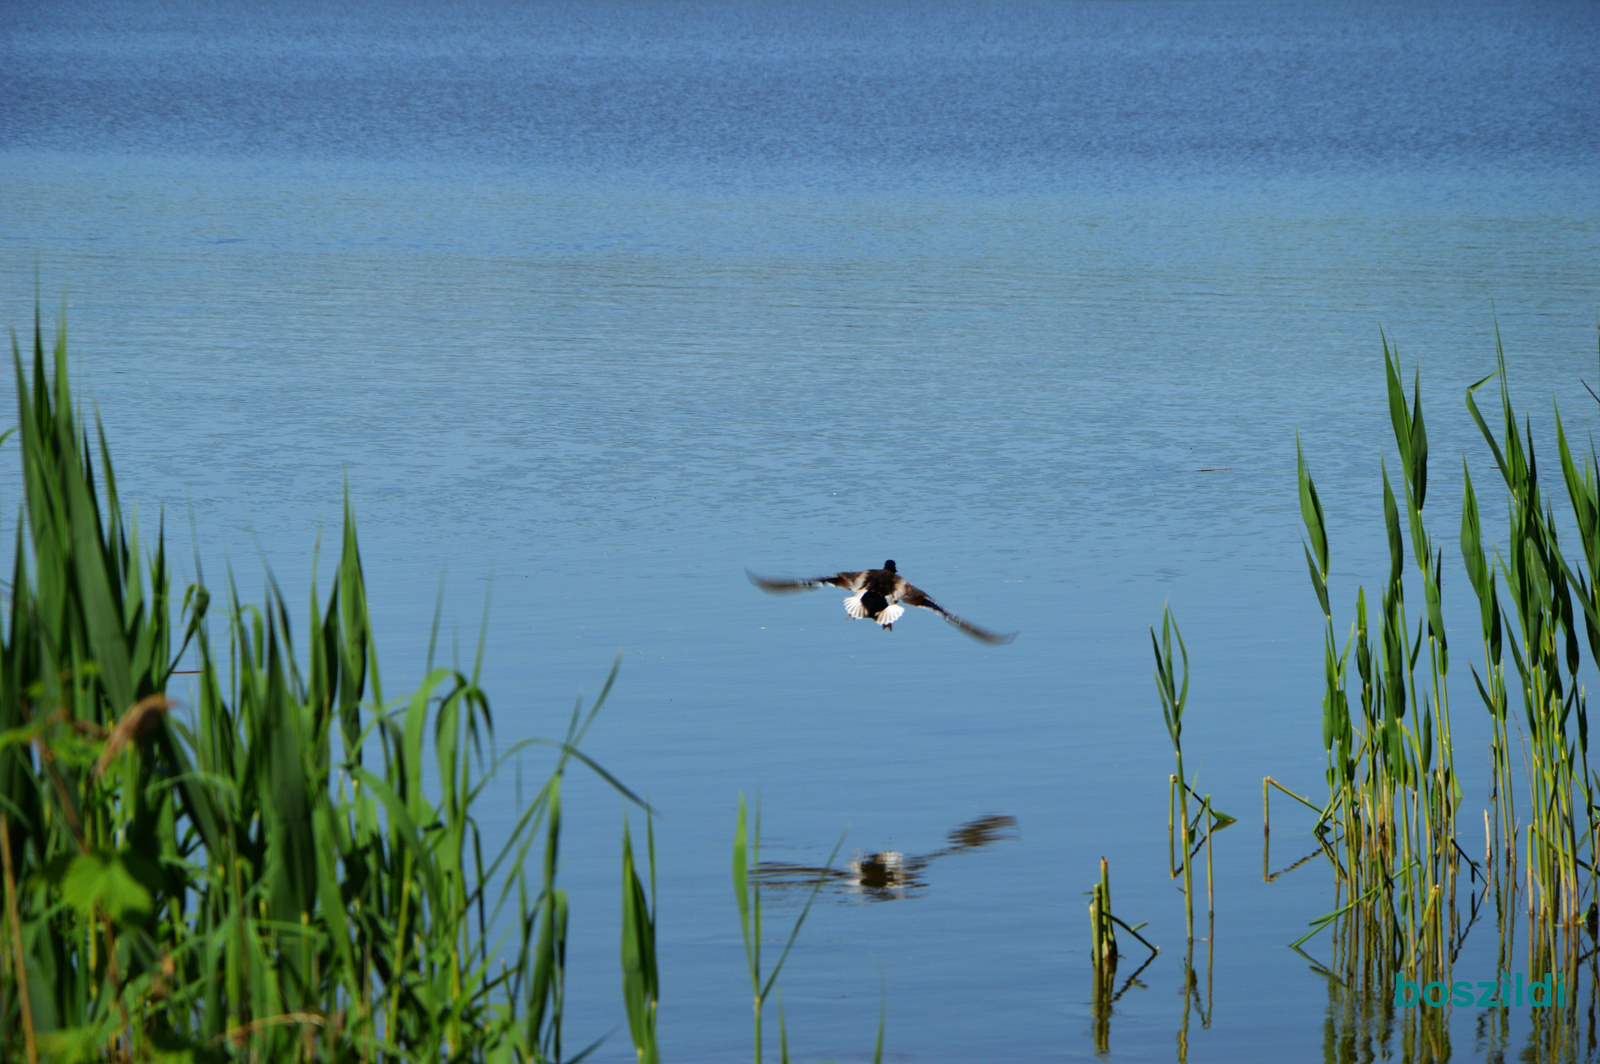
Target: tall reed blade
{"points": [[641, 984]]}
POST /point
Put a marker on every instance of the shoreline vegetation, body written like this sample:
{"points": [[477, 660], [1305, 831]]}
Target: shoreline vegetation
{"points": [[294, 870], [1391, 828]]}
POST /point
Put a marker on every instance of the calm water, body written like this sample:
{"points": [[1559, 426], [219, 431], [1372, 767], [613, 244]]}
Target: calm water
{"points": [[599, 305]]}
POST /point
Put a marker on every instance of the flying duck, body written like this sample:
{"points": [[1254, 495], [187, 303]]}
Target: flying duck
{"points": [[878, 595]]}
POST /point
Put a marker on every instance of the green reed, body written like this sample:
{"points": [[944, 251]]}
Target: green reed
{"points": [[1560, 847], [1103, 924], [1173, 698], [1183, 844], [1362, 1024], [1389, 825], [293, 871], [1389, 822], [1102, 932], [1185, 835], [747, 892], [641, 982]]}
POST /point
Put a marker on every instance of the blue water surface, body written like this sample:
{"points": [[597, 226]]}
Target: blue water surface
{"points": [[595, 306]]}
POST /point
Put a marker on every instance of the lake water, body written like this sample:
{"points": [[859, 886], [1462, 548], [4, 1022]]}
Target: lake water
{"points": [[599, 305]]}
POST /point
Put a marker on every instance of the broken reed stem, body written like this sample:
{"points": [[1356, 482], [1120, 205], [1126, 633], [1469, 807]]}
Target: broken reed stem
{"points": [[1103, 935], [1211, 904], [1188, 875]]}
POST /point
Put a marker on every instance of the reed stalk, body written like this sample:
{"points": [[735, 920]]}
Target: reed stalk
{"points": [[1173, 698], [747, 892], [1185, 836], [1102, 933]]}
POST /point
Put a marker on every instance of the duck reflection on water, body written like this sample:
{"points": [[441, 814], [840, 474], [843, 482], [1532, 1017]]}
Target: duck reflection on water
{"points": [[889, 874]]}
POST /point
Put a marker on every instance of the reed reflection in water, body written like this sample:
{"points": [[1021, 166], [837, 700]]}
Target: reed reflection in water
{"points": [[888, 875], [1365, 1023]]}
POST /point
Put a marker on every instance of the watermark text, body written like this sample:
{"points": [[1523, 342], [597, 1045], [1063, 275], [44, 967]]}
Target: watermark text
{"points": [[1506, 991]]}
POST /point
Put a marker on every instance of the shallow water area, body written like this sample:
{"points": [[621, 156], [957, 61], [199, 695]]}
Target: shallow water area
{"points": [[597, 306]]}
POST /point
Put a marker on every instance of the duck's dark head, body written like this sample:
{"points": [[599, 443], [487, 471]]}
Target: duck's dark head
{"points": [[888, 566]]}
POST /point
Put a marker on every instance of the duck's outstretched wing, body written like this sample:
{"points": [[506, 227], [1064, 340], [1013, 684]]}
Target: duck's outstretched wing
{"points": [[848, 581], [913, 596]]}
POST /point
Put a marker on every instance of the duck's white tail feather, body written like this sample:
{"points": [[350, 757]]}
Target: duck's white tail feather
{"points": [[853, 607], [892, 614]]}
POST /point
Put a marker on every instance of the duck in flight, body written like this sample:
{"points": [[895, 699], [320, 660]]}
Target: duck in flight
{"points": [[878, 596]]}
